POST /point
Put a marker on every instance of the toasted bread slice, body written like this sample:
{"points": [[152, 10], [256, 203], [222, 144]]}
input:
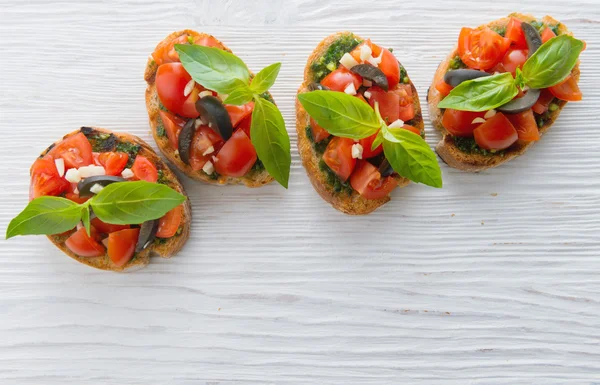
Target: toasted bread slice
{"points": [[447, 148], [353, 204], [252, 179], [165, 248]]}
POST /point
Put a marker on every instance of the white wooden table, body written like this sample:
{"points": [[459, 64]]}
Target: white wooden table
{"points": [[495, 279]]}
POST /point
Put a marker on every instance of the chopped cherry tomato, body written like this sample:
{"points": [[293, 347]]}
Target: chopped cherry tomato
{"points": [[339, 79], [407, 108], [514, 58], [121, 245], [83, 245], [318, 132], [143, 169], [245, 124], [390, 67], [375, 50], [338, 156], [76, 150], [547, 34], [107, 228], [171, 79], [412, 129], [45, 179], [524, 123], [497, 133], [165, 50], [443, 88], [237, 156], [207, 41], [389, 103], [460, 123], [200, 153], [113, 162], [567, 90], [481, 48], [238, 113], [73, 195], [367, 143], [515, 34], [169, 223], [173, 125], [369, 183], [543, 102]]}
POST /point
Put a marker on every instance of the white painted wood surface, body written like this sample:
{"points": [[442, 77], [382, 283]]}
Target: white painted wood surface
{"points": [[494, 279]]}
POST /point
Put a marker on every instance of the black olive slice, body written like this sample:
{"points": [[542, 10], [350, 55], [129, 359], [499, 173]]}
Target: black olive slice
{"points": [[86, 184], [147, 233], [317, 87], [372, 73], [456, 77], [534, 40], [212, 110], [385, 168], [185, 140], [521, 104]]}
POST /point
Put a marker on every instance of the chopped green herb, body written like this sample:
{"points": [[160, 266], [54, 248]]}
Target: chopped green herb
{"points": [[553, 107], [539, 25], [469, 146], [190, 39], [457, 63], [500, 30], [319, 147], [162, 107], [160, 130], [328, 62], [403, 75], [267, 96], [214, 176], [131, 150], [334, 180], [391, 49], [258, 166], [102, 142], [179, 231], [161, 178], [555, 29]]}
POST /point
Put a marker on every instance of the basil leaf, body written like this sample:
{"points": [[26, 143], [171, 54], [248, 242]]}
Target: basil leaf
{"points": [[45, 215], [552, 62], [128, 203], [85, 218], [265, 78], [271, 140], [411, 157], [241, 95], [481, 94], [378, 140], [213, 68], [341, 114]]}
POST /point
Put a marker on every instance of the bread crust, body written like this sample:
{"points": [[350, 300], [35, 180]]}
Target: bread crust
{"points": [[353, 204], [252, 179], [446, 147], [166, 249]]}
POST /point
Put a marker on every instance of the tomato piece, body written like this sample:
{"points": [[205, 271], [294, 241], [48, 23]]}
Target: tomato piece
{"points": [[368, 182], [107, 228], [541, 106], [237, 156], [72, 195], [460, 123], [338, 156], [204, 138], [207, 41], [375, 50], [412, 129], [367, 143], [121, 245], [390, 67], [525, 124], [165, 50], [45, 179], [83, 245], [567, 90], [245, 125], [169, 223], [389, 103], [443, 88], [339, 79], [171, 79], [113, 162], [143, 169], [481, 48], [76, 150], [407, 108], [515, 34], [547, 34], [514, 58], [497, 133], [318, 132], [173, 125], [238, 113]]}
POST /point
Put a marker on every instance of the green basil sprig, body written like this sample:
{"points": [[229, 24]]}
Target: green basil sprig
{"points": [[122, 203], [347, 116], [225, 73], [548, 66]]}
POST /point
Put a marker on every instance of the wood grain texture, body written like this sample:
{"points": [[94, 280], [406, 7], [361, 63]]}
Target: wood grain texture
{"points": [[494, 279]]}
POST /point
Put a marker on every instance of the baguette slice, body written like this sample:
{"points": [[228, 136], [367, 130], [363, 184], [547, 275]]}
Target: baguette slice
{"points": [[447, 149], [165, 249], [353, 204], [252, 179]]}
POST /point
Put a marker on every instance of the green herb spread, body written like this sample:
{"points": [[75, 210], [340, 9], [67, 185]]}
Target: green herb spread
{"points": [[456, 63], [329, 61], [332, 179], [469, 146], [499, 30], [129, 148]]}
